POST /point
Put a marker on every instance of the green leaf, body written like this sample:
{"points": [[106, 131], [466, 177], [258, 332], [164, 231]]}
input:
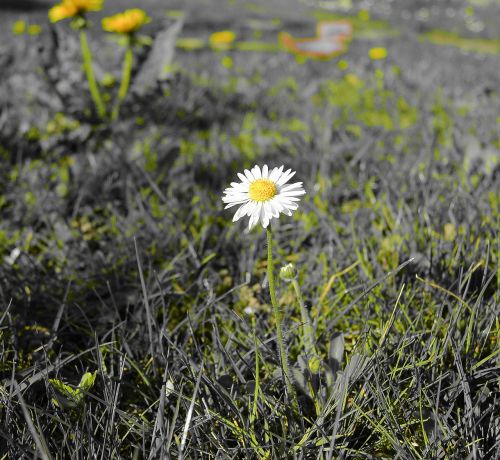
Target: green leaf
{"points": [[208, 258], [87, 381], [69, 397], [79, 23], [64, 389], [66, 397], [336, 352], [142, 40], [335, 357]]}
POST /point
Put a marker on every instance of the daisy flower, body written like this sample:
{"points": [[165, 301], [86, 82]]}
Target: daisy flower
{"points": [[263, 194]]}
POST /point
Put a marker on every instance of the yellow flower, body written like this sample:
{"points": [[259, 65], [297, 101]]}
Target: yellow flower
{"points": [[449, 232], [71, 8], [19, 27], [34, 29], [86, 5], [127, 22], [62, 11], [222, 39], [377, 53]]}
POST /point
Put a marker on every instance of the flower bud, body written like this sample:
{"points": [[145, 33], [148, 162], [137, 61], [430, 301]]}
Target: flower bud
{"points": [[288, 273], [314, 364]]}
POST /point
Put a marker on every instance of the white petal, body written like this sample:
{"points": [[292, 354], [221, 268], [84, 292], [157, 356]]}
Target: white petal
{"points": [[268, 213], [262, 215], [256, 172], [235, 198], [292, 194], [289, 204], [249, 175], [295, 185], [239, 185], [265, 172], [273, 205], [259, 211], [252, 205], [238, 214], [300, 191], [254, 217], [275, 174], [243, 178], [241, 211], [233, 192], [232, 200], [286, 177], [236, 191], [230, 205]]}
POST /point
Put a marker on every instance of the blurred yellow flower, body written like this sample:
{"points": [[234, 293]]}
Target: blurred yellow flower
{"points": [[19, 27], [449, 232], [222, 39], [71, 8], [127, 22], [353, 80], [34, 29], [377, 53], [86, 5], [227, 62], [62, 11]]}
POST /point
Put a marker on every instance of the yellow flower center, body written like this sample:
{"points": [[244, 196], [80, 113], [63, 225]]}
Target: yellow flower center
{"points": [[262, 190]]}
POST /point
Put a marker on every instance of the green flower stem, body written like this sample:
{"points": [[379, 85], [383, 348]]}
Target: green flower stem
{"points": [[126, 73], [253, 414], [89, 73], [308, 331], [272, 291]]}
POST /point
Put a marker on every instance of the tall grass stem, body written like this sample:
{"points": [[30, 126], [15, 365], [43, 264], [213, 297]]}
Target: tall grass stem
{"points": [[253, 414], [125, 82], [89, 73]]}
